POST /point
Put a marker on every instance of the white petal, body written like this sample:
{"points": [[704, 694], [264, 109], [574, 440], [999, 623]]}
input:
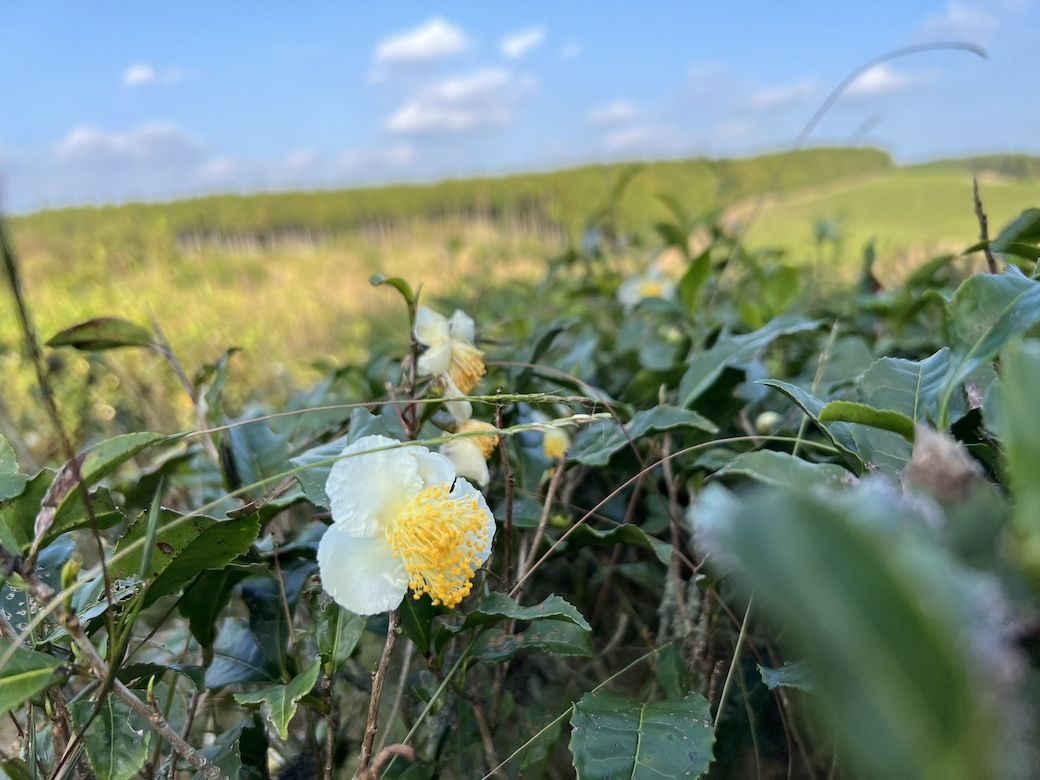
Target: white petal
{"points": [[667, 289], [436, 360], [459, 409], [434, 468], [360, 573], [462, 328], [369, 489], [430, 327], [468, 459], [464, 489], [628, 292]]}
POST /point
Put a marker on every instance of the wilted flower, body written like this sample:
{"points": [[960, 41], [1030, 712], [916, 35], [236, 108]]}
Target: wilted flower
{"points": [[401, 519], [555, 441], [470, 454], [450, 351], [652, 284]]}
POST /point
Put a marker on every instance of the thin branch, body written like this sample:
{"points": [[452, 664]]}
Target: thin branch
{"points": [[980, 215], [372, 725]]}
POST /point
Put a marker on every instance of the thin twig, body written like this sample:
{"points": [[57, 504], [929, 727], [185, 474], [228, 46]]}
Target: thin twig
{"points": [[733, 665], [980, 215], [510, 482], [372, 725], [402, 681]]}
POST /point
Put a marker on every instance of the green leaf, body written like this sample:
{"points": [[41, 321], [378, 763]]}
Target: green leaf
{"points": [[417, 616], [257, 453], [863, 414], [12, 483], [101, 334], [691, 282], [238, 657], [281, 700], [614, 737], [595, 445], [548, 636], [18, 514], [24, 675], [184, 546], [864, 560], [138, 675], [399, 284], [206, 598], [1024, 229], [986, 312], [337, 632], [1018, 394], [628, 533], [116, 749], [782, 468], [839, 433], [499, 606], [705, 367], [791, 675]]}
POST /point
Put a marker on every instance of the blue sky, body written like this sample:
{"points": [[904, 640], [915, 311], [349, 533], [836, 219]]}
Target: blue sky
{"points": [[111, 101]]}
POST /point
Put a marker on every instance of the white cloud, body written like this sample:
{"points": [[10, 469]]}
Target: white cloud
{"points": [[150, 143], [431, 40], [482, 98], [614, 112], [517, 45], [960, 21], [781, 94], [141, 74], [570, 50], [882, 80], [642, 139]]}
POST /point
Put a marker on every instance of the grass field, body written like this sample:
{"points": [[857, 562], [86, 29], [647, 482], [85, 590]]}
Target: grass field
{"points": [[909, 214]]}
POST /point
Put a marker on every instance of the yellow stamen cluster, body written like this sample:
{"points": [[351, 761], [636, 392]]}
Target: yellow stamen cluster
{"points": [[651, 289], [487, 443], [440, 540], [467, 366], [555, 444]]}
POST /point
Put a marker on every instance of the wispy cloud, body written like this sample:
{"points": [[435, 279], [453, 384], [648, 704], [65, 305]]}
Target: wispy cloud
{"points": [[642, 139], [482, 98], [431, 40], [961, 21], [142, 74], [519, 44], [882, 80], [781, 95], [614, 112]]}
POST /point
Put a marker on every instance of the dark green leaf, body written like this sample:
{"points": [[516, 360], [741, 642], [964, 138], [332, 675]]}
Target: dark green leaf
{"points": [[614, 737], [281, 700], [337, 632], [839, 433], [728, 350], [1024, 229], [863, 414], [103, 333], [184, 547], [116, 749], [25, 674], [585, 536], [499, 606], [548, 636], [1018, 396], [782, 468], [417, 620], [12, 483], [596, 443]]}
